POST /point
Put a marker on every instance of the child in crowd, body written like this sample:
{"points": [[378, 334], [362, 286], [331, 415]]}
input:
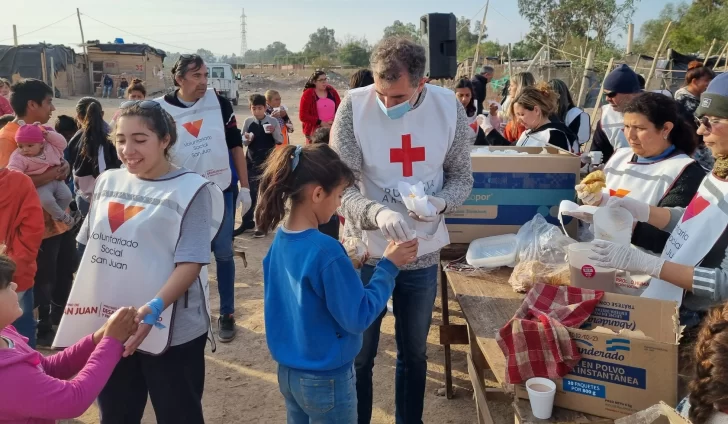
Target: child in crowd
{"points": [[707, 402], [261, 134], [313, 295], [5, 88], [331, 228], [280, 112], [66, 126], [41, 390], [136, 90], [5, 108], [40, 148], [6, 119]]}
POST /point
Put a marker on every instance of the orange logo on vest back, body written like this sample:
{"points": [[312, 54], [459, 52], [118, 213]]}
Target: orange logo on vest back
{"points": [[619, 192], [120, 213], [193, 127]]}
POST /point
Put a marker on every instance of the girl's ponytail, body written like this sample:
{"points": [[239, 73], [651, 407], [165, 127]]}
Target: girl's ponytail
{"points": [[286, 174], [709, 388]]}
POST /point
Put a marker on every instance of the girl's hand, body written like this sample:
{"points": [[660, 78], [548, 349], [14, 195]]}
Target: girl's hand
{"points": [[141, 333], [121, 325]]}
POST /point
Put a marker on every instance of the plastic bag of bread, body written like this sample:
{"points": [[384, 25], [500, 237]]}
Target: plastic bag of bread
{"points": [[595, 182], [357, 251], [541, 256]]}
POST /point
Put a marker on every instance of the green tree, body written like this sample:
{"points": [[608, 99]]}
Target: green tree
{"points": [[322, 42], [355, 52], [207, 55], [400, 29]]}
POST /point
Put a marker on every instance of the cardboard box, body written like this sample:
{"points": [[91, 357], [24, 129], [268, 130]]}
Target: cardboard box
{"points": [[509, 190], [619, 375], [661, 413]]}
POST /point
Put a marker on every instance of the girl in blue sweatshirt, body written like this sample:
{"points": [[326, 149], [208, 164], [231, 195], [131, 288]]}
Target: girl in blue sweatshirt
{"points": [[316, 307]]}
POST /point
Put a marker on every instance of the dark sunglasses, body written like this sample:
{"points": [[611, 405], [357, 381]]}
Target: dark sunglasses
{"points": [[147, 105], [611, 94]]}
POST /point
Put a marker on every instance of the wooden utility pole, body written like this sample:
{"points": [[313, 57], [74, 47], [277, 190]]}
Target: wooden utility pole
{"points": [[598, 105], [630, 39], [585, 79], [510, 62], [44, 66], [89, 68], [540, 52], [53, 77], [710, 50], [657, 53], [15, 36], [480, 37]]}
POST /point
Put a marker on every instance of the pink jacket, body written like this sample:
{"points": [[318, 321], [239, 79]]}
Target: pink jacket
{"points": [[39, 390], [52, 149]]}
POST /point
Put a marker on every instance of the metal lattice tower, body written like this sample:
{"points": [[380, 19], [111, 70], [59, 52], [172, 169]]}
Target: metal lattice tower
{"points": [[243, 37]]}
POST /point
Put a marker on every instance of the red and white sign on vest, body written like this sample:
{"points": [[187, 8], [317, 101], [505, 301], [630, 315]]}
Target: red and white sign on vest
{"points": [[646, 182], [410, 149], [201, 145], [702, 223], [133, 229]]}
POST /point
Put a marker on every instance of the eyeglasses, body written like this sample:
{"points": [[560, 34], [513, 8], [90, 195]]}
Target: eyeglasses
{"points": [[611, 94], [322, 80], [707, 122]]}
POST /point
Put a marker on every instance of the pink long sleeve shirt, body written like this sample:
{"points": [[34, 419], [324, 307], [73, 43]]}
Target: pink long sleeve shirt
{"points": [[37, 390], [34, 165]]}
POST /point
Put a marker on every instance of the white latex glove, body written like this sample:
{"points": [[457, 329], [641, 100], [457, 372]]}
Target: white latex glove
{"points": [[618, 256], [640, 211], [393, 226], [439, 203], [591, 199], [244, 199], [484, 124]]}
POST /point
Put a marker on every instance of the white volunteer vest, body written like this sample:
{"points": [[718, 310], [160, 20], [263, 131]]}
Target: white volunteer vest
{"points": [[647, 182], [201, 145], [613, 126], [541, 139], [410, 149], [134, 227], [700, 227]]}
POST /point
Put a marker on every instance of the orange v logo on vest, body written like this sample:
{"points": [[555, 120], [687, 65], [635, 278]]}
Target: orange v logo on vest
{"points": [[193, 127], [619, 192], [120, 213]]}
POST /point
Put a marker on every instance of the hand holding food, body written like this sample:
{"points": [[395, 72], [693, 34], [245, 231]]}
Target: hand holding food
{"points": [[590, 189]]}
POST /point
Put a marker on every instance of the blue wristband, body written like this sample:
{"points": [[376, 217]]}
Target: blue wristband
{"points": [[157, 307]]}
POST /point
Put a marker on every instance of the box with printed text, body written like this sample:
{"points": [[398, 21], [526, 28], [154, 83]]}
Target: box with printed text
{"points": [[622, 372], [510, 189]]}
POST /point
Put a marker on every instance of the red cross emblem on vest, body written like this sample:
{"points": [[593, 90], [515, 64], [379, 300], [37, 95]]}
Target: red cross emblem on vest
{"points": [[407, 155]]}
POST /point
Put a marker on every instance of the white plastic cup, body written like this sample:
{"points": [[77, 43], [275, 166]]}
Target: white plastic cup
{"points": [[596, 157], [268, 128], [541, 393]]}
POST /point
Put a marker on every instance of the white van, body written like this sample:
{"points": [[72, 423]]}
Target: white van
{"points": [[223, 79]]}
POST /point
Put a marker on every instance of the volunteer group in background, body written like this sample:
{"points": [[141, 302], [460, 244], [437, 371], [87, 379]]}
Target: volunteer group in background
{"points": [[163, 182]]}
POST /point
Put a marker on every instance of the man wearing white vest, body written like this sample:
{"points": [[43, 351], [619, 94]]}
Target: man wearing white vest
{"points": [[208, 137], [402, 130], [620, 87]]}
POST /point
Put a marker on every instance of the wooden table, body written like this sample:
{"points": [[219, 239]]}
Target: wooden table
{"points": [[488, 303]]}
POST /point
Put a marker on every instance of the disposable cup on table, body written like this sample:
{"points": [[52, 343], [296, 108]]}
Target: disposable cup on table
{"points": [[541, 393]]}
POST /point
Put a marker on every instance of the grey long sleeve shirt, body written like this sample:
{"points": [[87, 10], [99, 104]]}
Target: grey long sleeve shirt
{"points": [[361, 212]]}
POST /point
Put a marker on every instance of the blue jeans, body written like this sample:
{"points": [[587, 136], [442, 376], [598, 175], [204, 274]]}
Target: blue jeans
{"points": [[222, 247], [26, 323], [107, 91], [413, 299], [318, 397]]}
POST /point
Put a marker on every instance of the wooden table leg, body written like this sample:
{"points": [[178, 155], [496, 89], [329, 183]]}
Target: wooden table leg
{"points": [[446, 321]]}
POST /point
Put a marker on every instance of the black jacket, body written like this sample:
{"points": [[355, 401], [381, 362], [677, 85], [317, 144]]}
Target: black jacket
{"points": [[480, 89]]}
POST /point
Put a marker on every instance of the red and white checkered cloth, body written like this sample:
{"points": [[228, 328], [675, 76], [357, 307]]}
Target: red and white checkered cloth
{"points": [[536, 341]]}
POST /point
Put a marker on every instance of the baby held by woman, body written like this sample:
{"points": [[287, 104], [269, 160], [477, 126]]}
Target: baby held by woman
{"points": [[40, 148]]}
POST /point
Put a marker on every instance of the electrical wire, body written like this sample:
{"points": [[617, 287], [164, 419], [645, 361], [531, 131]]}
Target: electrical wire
{"points": [[136, 35], [41, 28], [473, 17]]}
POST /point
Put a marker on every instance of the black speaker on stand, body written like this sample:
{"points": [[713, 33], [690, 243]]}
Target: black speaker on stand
{"points": [[438, 32]]}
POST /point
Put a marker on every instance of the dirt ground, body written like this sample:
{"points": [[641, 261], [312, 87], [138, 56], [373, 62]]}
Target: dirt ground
{"points": [[241, 383]]}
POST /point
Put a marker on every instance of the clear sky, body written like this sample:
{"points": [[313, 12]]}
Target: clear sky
{"points": [[186, 25]]}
